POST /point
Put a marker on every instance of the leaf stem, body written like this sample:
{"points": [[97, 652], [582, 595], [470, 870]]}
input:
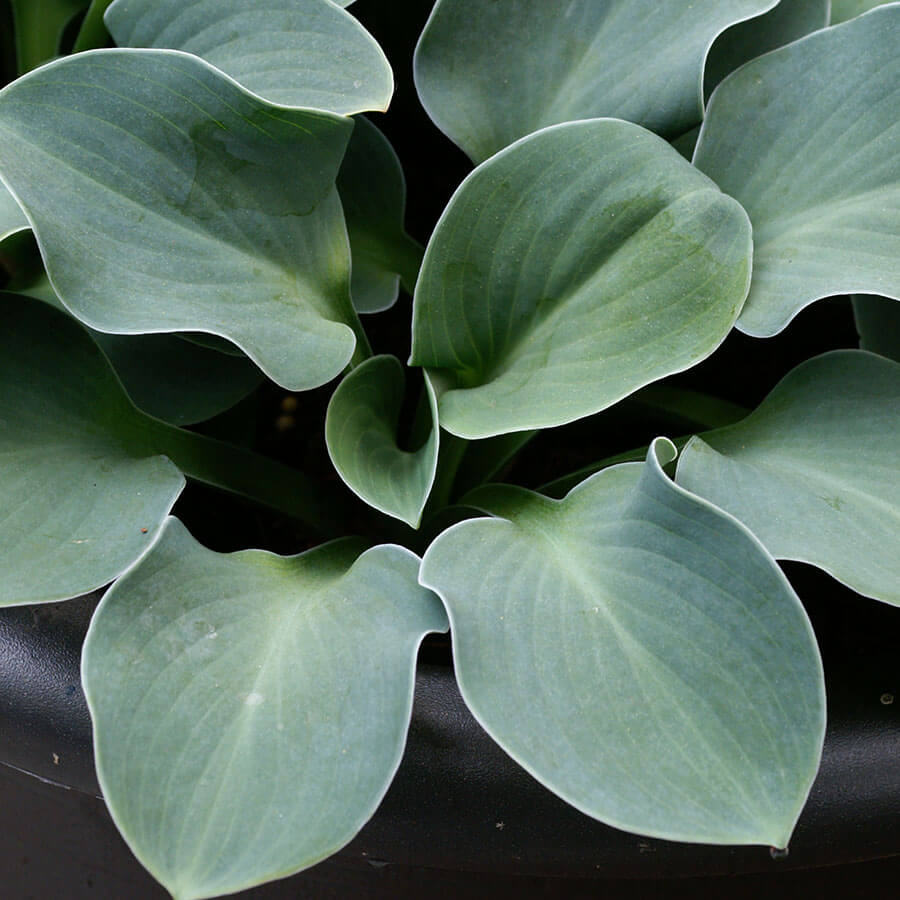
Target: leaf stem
{"points": [[320, 506], [408, 255], [703, 410], [559, 487], [449, 458], [93, 33]]}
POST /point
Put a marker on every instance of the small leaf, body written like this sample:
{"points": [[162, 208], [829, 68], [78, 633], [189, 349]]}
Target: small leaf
{"points": [[789, 21], [80, 499], [373, 193], [361, 434], [571, 269], [250, 710], [639, 653], [815, 160], [165, 198], [878, 324], [490, 72], [302, 53], [12, 219], [813, 471], [842, 10]]}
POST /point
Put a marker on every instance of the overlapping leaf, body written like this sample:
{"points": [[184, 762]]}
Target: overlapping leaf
{"points": [[815, 159], [490, 72], [167, 376], [165, 198], [304, 53], [814, 471], [790, 20], [250, 710], [373, 192], [80, 498], [361, 434], [578, 265], [637, 651]]}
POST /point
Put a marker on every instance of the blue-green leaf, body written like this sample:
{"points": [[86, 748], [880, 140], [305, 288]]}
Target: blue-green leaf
{"points": [[808, 139], [165, 198], [814, 471], [491, 71], [373, 193], [638, 652], [250, 710], [80, 497], [304, 53], [571, 269], [361, 434]]}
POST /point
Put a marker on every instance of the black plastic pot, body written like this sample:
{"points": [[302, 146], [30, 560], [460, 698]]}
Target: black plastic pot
{"points": [[461, 818]]}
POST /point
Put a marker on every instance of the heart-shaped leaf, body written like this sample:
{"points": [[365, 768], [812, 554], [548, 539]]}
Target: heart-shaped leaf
{"points": [[842, 10], [789, 21], [878, 324], [571, 269], [815, 159], [361, 434], [373, 193], [639, 653], [80, 499], [491, 71], [305, 53], [250, 710], [165, 198], [12, 219], [813, 472]]}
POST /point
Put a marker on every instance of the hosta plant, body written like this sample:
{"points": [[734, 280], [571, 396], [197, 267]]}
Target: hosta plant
{"points": [[208, 282]]}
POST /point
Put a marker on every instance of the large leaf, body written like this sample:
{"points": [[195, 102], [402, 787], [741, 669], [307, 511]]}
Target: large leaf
{"points": [[490, 71], [842, 10], [250, 710], [815, 159], [305, 53], [790, 20], [814, 470], [361, 434], [165, 198], [574, 267], [878, 324], [637, 651], [12, 219], [373, 192], [79, 499]]}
